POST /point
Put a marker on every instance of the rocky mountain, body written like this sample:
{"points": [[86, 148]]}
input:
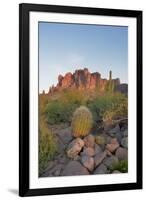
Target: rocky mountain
{"points": [[83, 79]]}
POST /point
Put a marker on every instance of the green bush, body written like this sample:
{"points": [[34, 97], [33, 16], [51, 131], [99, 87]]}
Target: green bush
{"points": [[122, 166], [103, 106], [108, 106], [61, 109]]}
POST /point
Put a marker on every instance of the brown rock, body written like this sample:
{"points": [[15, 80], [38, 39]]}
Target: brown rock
{"points": [[75, 147], [81, 79], [65, 135], [113, 146], [110, 162], [101, 169], [88, 162], [88, 151], [89, 141], [122, 153], [99, 158]]}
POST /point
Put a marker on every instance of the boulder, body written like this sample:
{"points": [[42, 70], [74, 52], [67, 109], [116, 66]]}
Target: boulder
{"points": [[115, 130], [97, 149], [75, 147], [124, 142], [88, 151], [113, 146], [119, 136], [108, 126], [101, 169], [125, 133], [65, 135], [99, 158], [121, 153], [88, 162], [74, 168], [110, 162], [89, 141]]}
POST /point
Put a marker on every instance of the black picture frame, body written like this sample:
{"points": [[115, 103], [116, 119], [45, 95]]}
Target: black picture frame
{"points": [[24, 9]]}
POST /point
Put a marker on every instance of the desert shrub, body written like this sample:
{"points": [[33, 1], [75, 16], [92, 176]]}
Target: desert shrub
{"points": [[109, 106], [82, 122], [103, 106], [61, 110], [121, 166], [47, 145], [43, 100]]}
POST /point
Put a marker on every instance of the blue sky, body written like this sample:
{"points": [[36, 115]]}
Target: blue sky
{"points": [[66, 47]]}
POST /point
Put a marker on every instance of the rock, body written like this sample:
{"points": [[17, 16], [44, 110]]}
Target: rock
{"points": [[116, 172], [60, 145], [88, 151], [124, 142], [113, 146], [55, 171], [122, 153], [89, 141], [119, 136], [122, 88], [99, 158], [110, 162], [88, 162], [77, 158], [75, 147], [113, 131], [123, 124], [65, 135], [101, 169], [108, 153], [125, 133], [100, 140], [81, 79], [62, 159], [108, 126], [74, 168], [97, 149]]}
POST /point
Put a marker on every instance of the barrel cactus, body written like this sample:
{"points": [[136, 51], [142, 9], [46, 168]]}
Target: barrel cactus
{"points": [[82, 122]]}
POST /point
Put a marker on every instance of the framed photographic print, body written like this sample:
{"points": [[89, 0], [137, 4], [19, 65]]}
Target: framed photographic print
{"points": [[80, 99]]}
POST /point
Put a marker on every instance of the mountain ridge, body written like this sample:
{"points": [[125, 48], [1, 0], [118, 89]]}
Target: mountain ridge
{"points": [[83, 79]]}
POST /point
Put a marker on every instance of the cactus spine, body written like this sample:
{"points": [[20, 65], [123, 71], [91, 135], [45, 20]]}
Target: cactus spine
{"points": [[82, 122]]}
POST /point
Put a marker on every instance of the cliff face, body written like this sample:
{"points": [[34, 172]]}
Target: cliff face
{"points": [[82, 79]]}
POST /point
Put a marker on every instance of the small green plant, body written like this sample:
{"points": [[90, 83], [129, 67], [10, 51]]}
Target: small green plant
{"points": [[122, 166], [82, 122], [47, 145]]}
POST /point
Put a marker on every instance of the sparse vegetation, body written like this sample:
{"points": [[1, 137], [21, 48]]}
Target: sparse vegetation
{"points": [[122, 166], [47, 141], [47, 145]]}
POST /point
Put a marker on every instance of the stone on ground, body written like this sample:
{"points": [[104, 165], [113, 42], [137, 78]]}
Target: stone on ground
{"points": [[88, 162], [89, 141], [122, 153], [75, 147], [88, 151], [74, 168], [99, 158], [110, 161], [101, 169]]}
